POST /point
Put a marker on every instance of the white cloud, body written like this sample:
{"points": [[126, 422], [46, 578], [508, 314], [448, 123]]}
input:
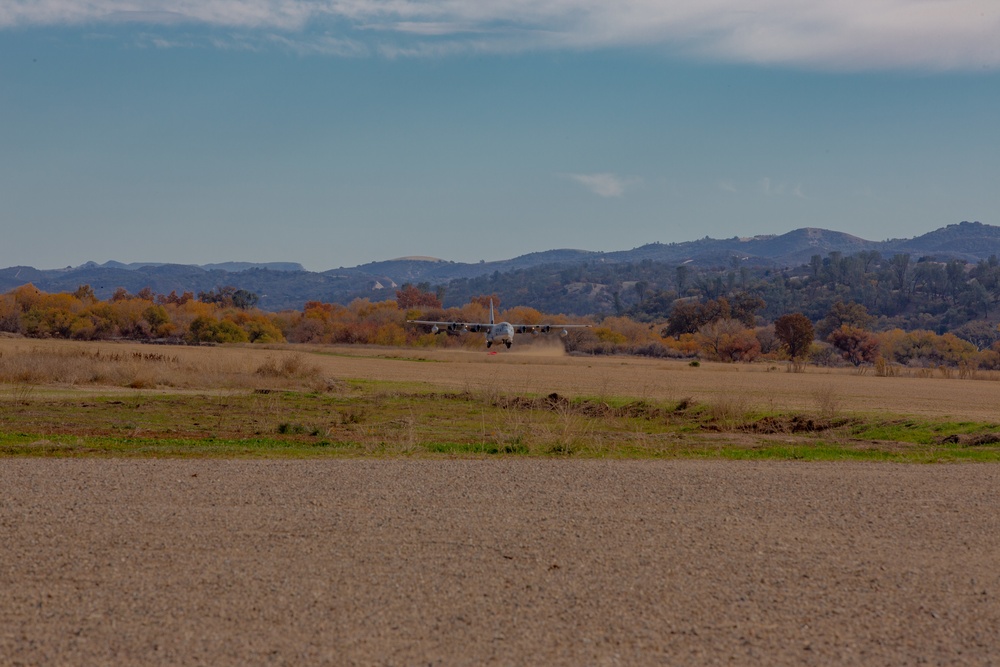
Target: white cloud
{"points": [[603, 184], [827, 34]]}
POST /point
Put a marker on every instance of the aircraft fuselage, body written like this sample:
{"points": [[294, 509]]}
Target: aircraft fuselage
{"points": [[502, 332]]}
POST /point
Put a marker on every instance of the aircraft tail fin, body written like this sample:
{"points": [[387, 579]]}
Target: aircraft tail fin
{"points": [[491, 312]]}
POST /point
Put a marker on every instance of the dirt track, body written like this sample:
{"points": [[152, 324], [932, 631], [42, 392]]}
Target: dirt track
{"points": [[504, 562]]}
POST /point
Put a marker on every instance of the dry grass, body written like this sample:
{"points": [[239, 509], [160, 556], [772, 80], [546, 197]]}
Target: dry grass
{"points": [[62, 363], [728, 388]]}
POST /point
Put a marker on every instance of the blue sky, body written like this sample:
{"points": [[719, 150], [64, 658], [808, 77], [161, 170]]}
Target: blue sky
{"points": [[334, 133]]}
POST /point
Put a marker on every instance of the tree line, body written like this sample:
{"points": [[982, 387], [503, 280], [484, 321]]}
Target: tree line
{"points": [[899, 291], [730, 328]]}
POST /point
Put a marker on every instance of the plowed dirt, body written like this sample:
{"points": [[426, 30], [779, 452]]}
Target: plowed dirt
{"points": [[511, 561]]}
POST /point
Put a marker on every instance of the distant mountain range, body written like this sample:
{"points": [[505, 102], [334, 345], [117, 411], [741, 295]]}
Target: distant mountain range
{"points": [[231, 267], [283, 285]]}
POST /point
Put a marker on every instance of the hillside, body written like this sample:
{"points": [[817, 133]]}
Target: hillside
{"points": [[283, 285]]}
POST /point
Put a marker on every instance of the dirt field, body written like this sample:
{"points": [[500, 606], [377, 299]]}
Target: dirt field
{"points": [[503, 561], [508, 561]]}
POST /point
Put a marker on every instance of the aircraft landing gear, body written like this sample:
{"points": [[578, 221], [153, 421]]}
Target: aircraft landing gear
{"points": [[507, 343], [489, 344]]}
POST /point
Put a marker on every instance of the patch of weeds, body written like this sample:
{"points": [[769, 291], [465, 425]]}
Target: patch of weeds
{"points": [[288, 428], [491, 448], [562, 449], [22, 394], [969, 440], [353, 417], [728, 411], [684, 404], [923, 433]]}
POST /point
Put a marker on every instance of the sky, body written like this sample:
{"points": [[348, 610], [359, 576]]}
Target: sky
{"points": [[339, 132]]}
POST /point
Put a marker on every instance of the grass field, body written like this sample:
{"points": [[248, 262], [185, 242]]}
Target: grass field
{"points": [[60, 398]]}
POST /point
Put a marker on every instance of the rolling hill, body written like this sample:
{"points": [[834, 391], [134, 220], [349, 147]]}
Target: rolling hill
{"points": [[283, 285]]}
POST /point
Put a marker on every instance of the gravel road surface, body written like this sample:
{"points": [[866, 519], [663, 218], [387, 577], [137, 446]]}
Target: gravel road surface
{"points": [[513, 561]]}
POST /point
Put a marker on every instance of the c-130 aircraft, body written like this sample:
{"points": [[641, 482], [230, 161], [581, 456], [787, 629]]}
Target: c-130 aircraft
{"points": [[498, 332]]}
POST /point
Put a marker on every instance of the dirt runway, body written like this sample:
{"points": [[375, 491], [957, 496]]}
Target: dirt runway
{"points": [[513, 561]]}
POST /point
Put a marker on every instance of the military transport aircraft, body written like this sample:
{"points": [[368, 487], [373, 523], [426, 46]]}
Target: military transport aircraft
{"points": [[497, 332]]}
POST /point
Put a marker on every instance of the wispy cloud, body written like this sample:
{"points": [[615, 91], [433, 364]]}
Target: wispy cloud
{"points": [[778, 189], [826, 34], [603, 184]]}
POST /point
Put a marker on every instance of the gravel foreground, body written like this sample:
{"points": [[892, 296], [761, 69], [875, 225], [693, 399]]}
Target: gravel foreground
{"points": [[391, 562]]}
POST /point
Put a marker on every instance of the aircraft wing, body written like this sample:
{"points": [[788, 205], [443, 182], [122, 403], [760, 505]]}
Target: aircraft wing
{"points": [[452, 326], [546, 328]]}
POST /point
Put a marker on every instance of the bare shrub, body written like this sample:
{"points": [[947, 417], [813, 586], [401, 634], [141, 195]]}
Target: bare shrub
{"points": [[824, 354], [884, 369], [827, 402], [286, 366], [729, 410], [328, 385]]}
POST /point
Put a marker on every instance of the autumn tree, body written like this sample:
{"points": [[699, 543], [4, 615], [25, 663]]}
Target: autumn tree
{"points": [[85, 293], [174, 299], [207, 330], [856, 345], [485, 299], [411, 296], [685, 318], [689, 316], [728, 340], [796, 333], [840, 313], [742, 346]]}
